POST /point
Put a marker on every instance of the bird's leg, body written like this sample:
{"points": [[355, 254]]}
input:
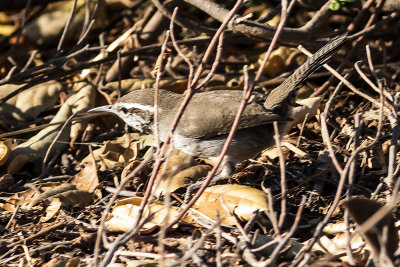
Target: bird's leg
{"points": [[227, 168]]}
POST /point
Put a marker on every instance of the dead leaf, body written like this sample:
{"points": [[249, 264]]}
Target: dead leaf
{"points": [[26, 197], [59, 262], [75, 197], [39, 144], [307, 107], [122, 150], [338, 246], [85, 240], [50, 192], [176, 162], [30, 103], [276, 63], [240, 199], [361, 209], [273, 152], [87, 179], [334, 228], [182, 178], [290, 252], [125, 212], [51, 210], [47, 28]]}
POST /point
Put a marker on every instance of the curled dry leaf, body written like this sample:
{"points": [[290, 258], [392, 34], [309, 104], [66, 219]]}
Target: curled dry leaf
{"points": [[47, 28], [84, 240], [87, 179], [122, 150], [58, 262], [129, 168], [239, 199], [24, 198], [277, 61], [334, 228], [18, 162], [307, 107], [273, 152], [28, 104], [176, 162], [125, 212], [361, 209], [182, 178], [67, 194], [39, 144], [338, 246], [75, 197], [49, 192], [83, 100], [51, 210]]}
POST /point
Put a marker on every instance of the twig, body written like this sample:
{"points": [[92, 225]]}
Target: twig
{"points": [[272, 259], [55, 140], [106, 211], [12, 217], [66, 28], [283, 176], [352, 173]]}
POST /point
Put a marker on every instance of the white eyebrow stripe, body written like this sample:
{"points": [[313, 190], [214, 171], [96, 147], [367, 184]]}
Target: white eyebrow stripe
{"points": [[139, 106]]}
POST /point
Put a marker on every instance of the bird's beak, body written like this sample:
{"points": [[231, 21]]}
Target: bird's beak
{"points": [[106, 108]]}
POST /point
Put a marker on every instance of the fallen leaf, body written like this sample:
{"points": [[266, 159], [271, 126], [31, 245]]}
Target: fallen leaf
{"points": [[30, 103], [47, 28], [176, 162], [307, 107], [122, 150], [126, 211], [39, 144], [18, 162], [182, 178], [50, 192], [84, 240], [61, 262], [75, 197], [51, 210], [361, 209], [277, 61], [26, 197], [290, 252], [87, 179], [338, 246], [240, 199]]}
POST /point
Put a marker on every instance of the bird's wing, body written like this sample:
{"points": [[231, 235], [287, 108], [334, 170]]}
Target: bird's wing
{"points": [[212, 113]]}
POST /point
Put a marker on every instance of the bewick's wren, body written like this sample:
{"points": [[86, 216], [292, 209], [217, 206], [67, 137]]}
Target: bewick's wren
{"points": [[206, 122]]}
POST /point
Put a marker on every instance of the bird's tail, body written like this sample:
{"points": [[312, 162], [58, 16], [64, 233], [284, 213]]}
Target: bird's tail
{"points": [[285, 93]]}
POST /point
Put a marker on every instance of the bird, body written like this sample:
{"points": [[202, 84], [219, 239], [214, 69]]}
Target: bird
{"points": [[206, 122]]}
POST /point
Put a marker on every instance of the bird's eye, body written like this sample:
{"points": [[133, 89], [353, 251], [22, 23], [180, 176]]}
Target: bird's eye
{"points": [[124, 110]]}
